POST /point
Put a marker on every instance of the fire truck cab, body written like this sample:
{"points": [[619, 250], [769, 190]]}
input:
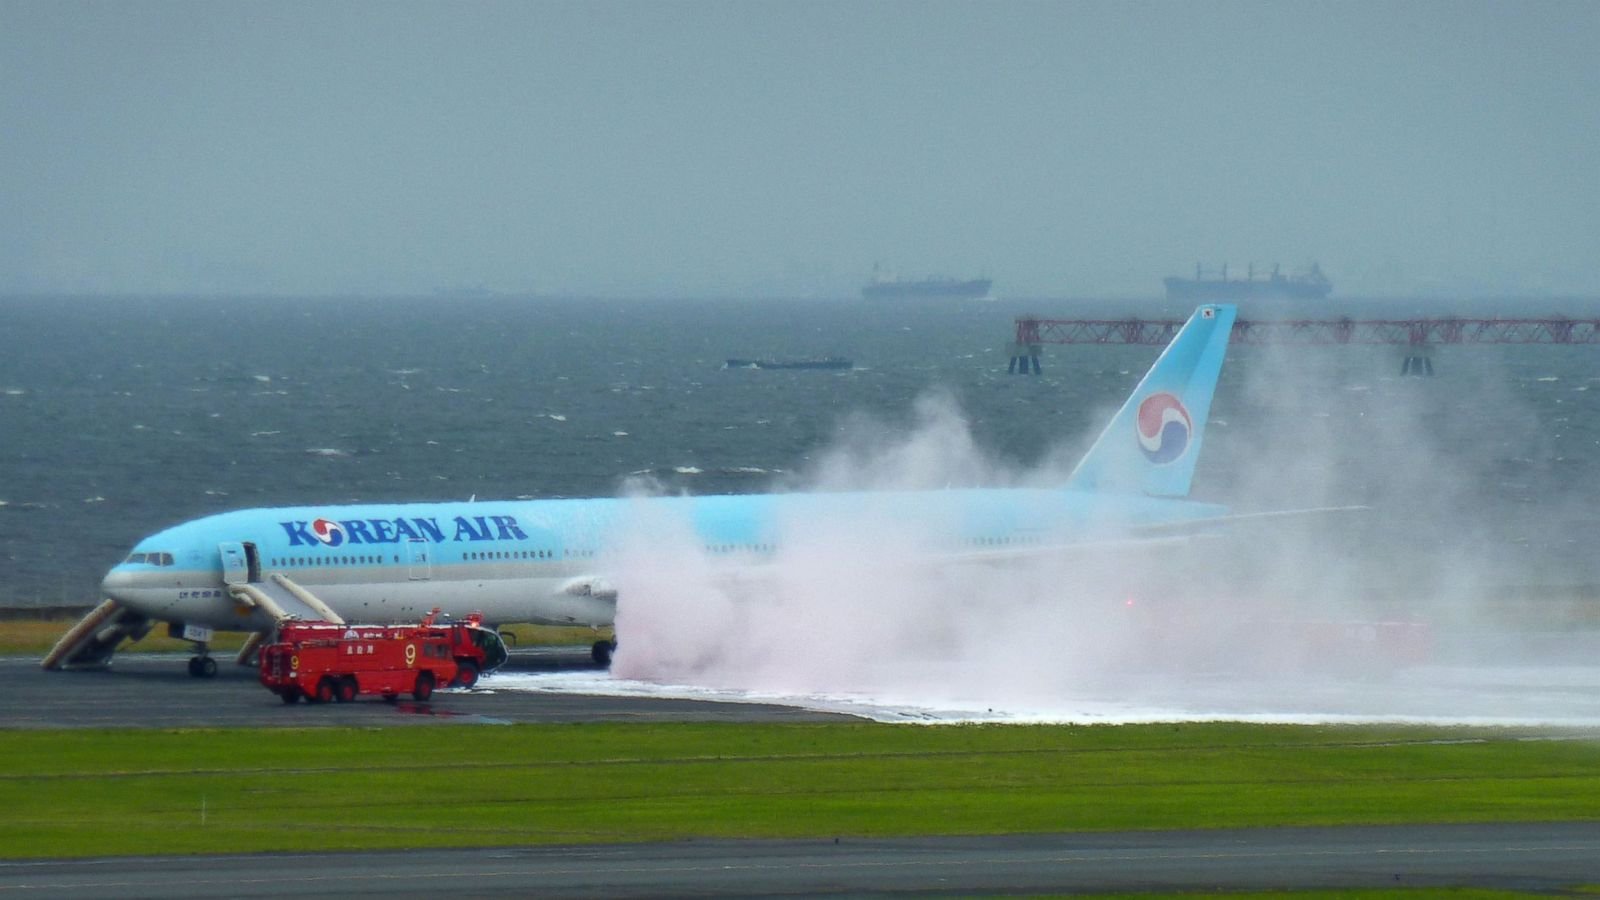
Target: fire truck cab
{"points": [[324, 661]]}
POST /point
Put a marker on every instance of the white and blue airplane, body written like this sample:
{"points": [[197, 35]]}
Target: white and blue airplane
{"points": [[545, 561]]}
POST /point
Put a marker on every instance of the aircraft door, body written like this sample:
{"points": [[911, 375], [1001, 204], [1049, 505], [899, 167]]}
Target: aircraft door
{"points": [[235, 568], [419, 555], [253, 562]]}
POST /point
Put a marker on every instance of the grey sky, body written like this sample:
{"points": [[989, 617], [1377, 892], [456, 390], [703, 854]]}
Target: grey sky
{"points": [[761, 148]]}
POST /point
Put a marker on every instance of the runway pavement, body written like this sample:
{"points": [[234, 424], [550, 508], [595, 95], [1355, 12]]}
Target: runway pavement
{"points": [[155, 691], [1534, 857]]}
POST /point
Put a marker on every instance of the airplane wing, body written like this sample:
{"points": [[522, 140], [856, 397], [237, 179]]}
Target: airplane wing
{"points": [[755, 576], [1134, 538], [1211, 523]]}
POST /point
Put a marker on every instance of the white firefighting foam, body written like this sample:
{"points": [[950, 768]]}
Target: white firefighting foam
{"points": [[1557, 695]]}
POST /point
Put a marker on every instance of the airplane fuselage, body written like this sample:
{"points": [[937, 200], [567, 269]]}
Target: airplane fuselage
{"points": [[551, 561]]}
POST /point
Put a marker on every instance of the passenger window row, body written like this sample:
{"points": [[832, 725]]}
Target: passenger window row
{"points": [[738, 548], [329, 561], [509, 554]]}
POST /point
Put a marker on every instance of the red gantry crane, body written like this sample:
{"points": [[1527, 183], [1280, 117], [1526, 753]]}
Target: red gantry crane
{"points": [[1034, 332]]}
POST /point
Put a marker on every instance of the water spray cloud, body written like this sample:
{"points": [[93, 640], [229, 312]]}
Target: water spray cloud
{"points": [[1332, 616]]}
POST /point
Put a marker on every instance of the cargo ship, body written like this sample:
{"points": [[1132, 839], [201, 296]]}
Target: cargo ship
{"points": [[1310, 285], [889, 287]]}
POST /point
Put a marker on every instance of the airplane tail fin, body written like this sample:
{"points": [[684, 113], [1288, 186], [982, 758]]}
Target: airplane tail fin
{"points": [[1152, 443]]}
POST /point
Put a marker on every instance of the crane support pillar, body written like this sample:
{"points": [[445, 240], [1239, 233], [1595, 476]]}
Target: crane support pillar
{"points": [[1419, 364], [1024, 360]]}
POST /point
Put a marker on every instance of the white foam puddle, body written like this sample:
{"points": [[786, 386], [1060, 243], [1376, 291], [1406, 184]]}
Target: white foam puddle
{"points": [[1567, 696]]}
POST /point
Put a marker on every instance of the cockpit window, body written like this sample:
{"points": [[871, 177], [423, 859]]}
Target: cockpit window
{"points": [[150, 559]]}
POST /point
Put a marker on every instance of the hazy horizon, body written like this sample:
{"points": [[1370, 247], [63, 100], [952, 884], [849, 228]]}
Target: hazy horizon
{"points": [[723, 149]]}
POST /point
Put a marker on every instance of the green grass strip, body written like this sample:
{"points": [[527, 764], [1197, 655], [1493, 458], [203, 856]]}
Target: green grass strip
{"points": [[70, 793]]}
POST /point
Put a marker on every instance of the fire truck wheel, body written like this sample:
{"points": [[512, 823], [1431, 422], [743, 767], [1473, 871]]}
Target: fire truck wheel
{"points": [[325, 690], [424, 688], [467, 674], [346, 689], [289, 695]]}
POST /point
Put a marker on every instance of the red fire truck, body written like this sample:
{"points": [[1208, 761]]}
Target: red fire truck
{"points": [[323, 661]]}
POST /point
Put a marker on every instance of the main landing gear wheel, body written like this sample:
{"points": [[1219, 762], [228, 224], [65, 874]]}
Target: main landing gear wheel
{"points": [[601, 652], [202, 667], [466, 674], [424, 688]]}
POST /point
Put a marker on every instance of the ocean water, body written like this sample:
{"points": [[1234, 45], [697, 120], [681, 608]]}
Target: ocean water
{"points": [[120, 416]]}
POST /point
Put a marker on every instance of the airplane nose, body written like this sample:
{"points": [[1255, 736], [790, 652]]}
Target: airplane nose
{"points": [[116, 584]]}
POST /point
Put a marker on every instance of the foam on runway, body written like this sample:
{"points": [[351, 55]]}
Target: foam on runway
{"points": [[1566, 696]]}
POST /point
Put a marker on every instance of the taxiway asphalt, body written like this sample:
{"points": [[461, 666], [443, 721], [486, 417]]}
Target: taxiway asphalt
{"points": [[1536, 857], [155, 691]]}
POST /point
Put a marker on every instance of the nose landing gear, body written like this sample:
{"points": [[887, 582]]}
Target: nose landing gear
{"points": [[202, 666]]}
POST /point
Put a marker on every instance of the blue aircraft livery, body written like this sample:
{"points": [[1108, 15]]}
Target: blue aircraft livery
{"points": [[335, 533], [1165, 418], [551, 561], [1164, 427]]}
